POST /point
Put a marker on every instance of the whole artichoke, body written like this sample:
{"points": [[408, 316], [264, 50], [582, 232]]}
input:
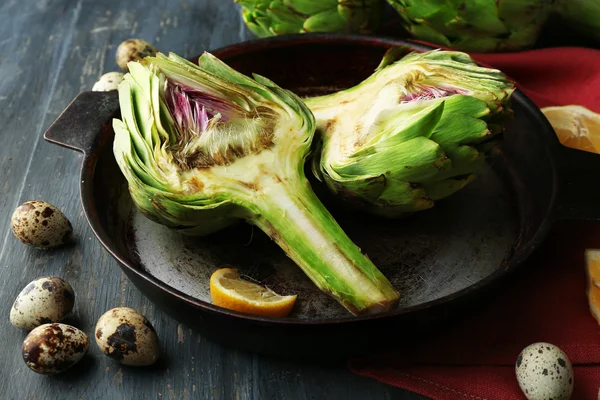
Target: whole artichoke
{"points": [[279, 17], [412, 133], [582, 15], [203, 146], [475, 25]]}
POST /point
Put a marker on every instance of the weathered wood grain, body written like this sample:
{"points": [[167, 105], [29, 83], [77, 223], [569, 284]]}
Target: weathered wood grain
{"points": [[49, 52]]}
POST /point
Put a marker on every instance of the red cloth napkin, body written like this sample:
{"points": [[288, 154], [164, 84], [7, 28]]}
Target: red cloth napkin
{"points": [[553, 76], [544, 301]]}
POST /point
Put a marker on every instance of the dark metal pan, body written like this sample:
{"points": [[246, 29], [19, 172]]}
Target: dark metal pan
{"points": [[440, 260]]}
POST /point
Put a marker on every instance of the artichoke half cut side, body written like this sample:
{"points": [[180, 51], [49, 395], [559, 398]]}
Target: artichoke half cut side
{"points": [[414, 132], [203, 146]]}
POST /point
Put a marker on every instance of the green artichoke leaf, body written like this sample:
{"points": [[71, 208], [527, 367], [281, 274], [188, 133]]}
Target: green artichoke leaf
{"points": [[310, 7], [466, 105], [203, 147], [254, 5], [359, 189], [422, 121], [534, 17], [140, 159], [441, 189], [167, 135], [126, 101], [281, 14], [465, 160], [281, 28], [416, 160], [455, 129], [257, 23], [141, 90], [476, 25], [362, 17], [392, 55], [400, 198], [398, 124], [427, 9], [278, 17], [326, 21], [479, 16], [429, 34], [129, 160], [581, 15]]}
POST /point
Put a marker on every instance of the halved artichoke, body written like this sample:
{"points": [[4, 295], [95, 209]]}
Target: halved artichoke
{"points": [[412, 133], [204, 146]]}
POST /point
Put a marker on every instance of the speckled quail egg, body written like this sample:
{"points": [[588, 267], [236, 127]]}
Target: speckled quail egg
{"points": [[53, 348], [133, 50], [41, 225], [544, 372], [107, 82], [47, 299], [127, 336]]}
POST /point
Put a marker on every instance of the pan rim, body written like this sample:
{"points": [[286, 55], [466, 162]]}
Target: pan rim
{"points": [[550, 151]]}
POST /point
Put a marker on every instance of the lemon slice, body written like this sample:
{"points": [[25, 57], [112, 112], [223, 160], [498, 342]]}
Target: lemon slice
{"points": [[575, 126], [229, 290], [592, 261]]}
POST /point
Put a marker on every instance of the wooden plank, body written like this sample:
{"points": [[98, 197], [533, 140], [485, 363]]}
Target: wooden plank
{"points": [[49, 52]]}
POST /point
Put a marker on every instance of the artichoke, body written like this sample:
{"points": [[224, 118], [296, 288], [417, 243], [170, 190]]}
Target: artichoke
{"points": [[279, 17], [475, 25], [581, 15], [203, 146], [414, 132]]}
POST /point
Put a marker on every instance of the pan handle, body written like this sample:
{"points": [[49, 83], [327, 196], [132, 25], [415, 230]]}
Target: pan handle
{"points": [[83, 121], [580, 197]]}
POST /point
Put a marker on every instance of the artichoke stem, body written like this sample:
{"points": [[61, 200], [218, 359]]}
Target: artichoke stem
{"points": [[293, 216]]}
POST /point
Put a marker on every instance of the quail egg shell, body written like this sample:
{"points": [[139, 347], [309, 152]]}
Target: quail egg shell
{"points": [[133, 50], [108, 82], [45, 300], [127, 336], [544, 372], [41, 225], [54, 348]]}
